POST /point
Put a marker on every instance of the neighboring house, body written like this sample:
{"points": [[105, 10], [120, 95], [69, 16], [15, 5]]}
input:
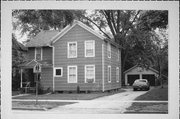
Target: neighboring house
{"points": [[75, 57], [137, 72]]}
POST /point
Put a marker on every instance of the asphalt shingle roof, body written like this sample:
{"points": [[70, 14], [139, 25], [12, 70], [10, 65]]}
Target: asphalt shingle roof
{"points": [[42, 39]]}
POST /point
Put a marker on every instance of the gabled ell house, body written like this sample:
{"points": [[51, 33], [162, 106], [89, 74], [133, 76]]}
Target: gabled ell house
{"points": [[77, 56]]}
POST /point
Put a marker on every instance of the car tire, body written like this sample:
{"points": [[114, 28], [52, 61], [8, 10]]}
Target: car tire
{"points": [[134, 89]]}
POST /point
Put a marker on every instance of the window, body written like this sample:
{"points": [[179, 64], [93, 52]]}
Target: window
{"points": [[109, 73], [58, 72], [109, 50], [89, 48], [117, 74], [72, 49], [38, 54], [72, 74], [89, 73]]}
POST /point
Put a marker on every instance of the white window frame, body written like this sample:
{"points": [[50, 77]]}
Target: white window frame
{"points": [[36, 53], [109, 50], [85, 67], [68, 73], [93, 48], [68, 50], [109, 80], [55, 68], [117, 74]]}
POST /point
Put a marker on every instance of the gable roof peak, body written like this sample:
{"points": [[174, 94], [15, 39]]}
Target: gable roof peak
{"points": [[69, 27]]}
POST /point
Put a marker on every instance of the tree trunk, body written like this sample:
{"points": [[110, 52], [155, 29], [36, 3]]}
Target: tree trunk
{"points": [[123, 59]]}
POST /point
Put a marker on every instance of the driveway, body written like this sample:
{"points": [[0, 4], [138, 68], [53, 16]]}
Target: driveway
{"points": [[113, 104]]}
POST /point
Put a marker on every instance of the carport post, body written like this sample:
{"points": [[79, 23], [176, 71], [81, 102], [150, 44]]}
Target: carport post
{"points": [[140, 76]]}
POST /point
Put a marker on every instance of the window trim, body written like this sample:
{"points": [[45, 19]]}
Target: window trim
{"points": [[116, 74], [55, 68], [109, 50], [93, 48], [36, 53], [68, 49], [109, 81], [68, 73], [85, 67]]}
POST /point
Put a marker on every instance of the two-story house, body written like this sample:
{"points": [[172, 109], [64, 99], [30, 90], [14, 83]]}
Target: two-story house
{"points": [[77, 56]]}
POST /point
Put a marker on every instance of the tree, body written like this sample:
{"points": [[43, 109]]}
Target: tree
{"points": [[161, 53], [31, 22], [18, 57]]}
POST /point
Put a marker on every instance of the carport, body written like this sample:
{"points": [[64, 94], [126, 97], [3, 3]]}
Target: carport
{"points": [[137, 72]]}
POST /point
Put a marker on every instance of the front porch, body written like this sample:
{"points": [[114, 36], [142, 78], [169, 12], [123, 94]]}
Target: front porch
{"points": [[28, 77]]}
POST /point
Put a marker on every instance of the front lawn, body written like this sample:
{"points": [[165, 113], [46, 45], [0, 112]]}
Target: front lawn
{"points": [[142, 107], [158, 93], [67, 96]]}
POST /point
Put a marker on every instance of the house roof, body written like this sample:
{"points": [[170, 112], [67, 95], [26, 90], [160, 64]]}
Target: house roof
{"points": [[49, 37], [138, 66], [42, 39], [69, 27]]}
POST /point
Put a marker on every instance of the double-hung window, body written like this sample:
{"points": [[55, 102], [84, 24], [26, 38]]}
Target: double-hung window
{"points": [[109, 50], [89, 73], [38, 54], [90, 48], [117, 74], [109, 73], [72, 49], [72, 74], [58, 72]]}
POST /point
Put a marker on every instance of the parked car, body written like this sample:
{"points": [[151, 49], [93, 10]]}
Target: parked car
{"points": [[141, 84]]}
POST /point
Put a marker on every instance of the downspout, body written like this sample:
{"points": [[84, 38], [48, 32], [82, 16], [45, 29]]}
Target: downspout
{"points": [[53, 69], [21, 77], [53, 65], [103, 67]]}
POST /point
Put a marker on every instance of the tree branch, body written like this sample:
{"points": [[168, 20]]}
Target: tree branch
{"points": [[97, 26], [130, 26], [108, 19], [118, 20], [113, 21]]}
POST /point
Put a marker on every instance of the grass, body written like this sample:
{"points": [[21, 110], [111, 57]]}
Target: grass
{"points": [[155, 94], [139, 107], [71, 96], [30, 105]]}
